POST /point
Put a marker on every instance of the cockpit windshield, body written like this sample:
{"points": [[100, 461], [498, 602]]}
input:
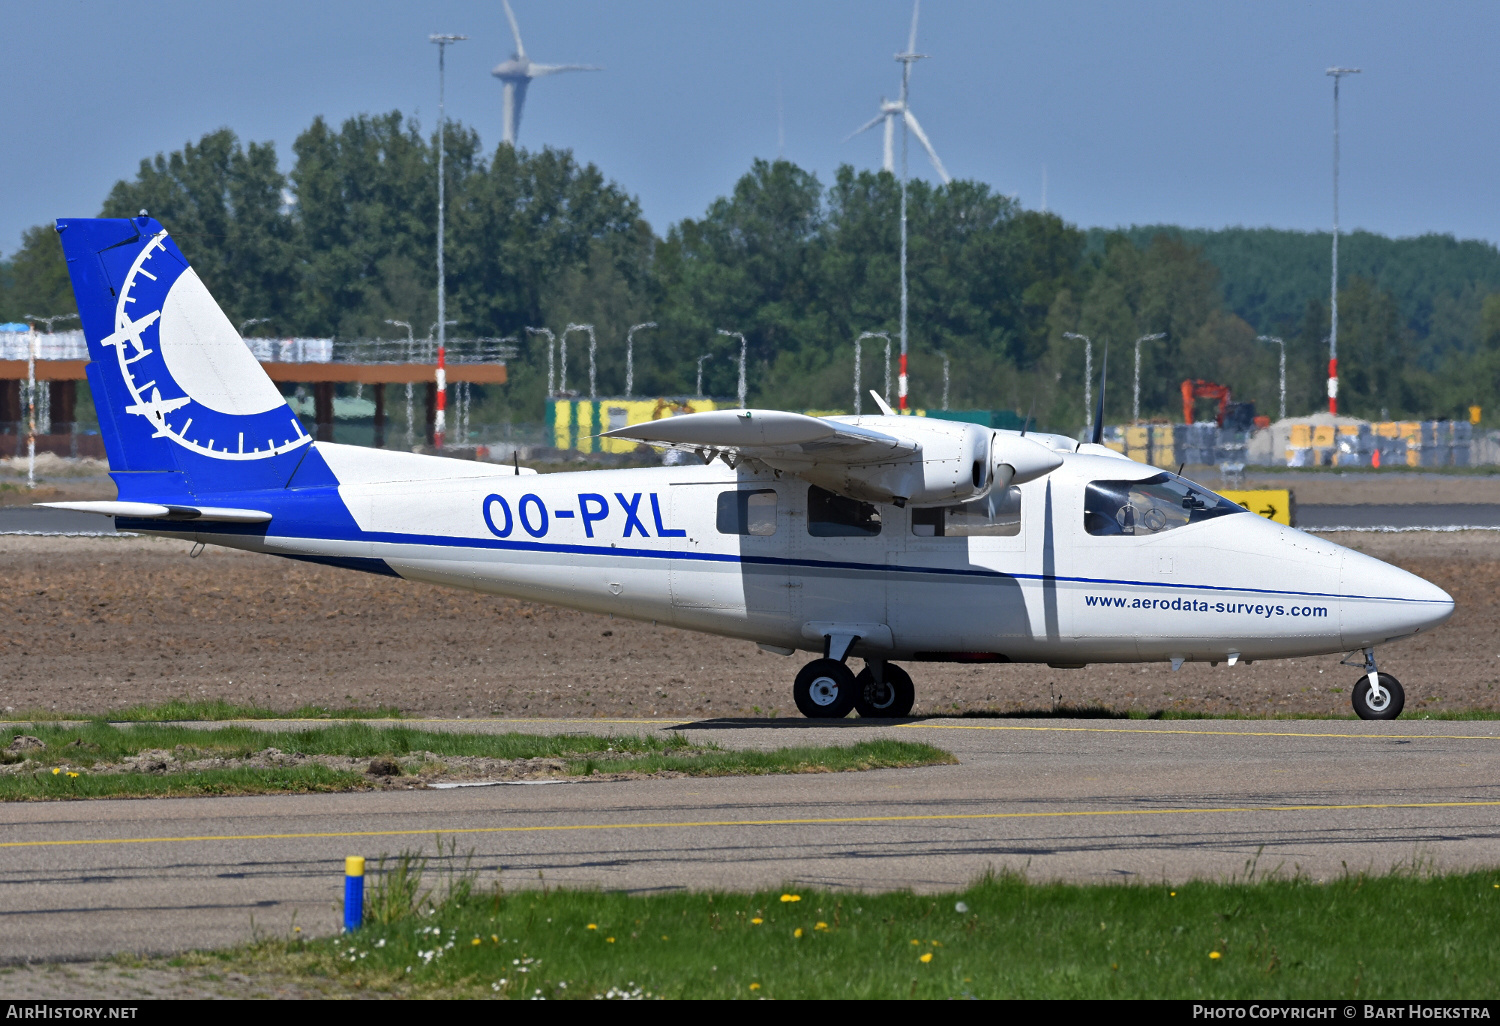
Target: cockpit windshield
{"points": [[1151, 506]]}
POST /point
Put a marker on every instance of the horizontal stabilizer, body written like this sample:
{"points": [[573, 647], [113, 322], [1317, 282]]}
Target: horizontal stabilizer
{"points": [[772, 435], [158, 511]]}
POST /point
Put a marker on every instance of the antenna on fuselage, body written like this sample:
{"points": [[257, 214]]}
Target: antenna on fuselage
{"points": [[1098, 437]]}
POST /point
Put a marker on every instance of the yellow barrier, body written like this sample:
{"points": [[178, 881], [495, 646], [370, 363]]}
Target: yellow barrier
{"points": [[1271, 503]]}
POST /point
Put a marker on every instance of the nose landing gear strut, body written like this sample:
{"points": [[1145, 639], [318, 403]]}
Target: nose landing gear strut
{"points": [[1377, 696]]}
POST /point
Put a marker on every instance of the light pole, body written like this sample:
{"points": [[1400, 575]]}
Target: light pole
{"points": [[1279, 342], [411, 349], [699, 391], [443, 42], [906, 58], [630, 355], [859, 392], [49, 321], [1088, 373], [551, 344], [1135, 404], [741, 337], [593, 348], [945, 377], [1333, 330]]}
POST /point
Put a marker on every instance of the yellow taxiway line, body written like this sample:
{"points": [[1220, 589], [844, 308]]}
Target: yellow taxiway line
{"points": [[828, 821]]}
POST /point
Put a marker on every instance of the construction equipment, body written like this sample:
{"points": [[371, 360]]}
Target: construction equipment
{"points": [[1193, 390]]}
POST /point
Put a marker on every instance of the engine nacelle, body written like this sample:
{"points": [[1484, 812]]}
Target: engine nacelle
{"points": [[954, 463]]}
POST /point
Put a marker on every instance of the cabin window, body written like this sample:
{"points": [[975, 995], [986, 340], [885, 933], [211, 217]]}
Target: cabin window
{"points": [[745, 512], [1151, 506], [997, 515], [834, 516]]}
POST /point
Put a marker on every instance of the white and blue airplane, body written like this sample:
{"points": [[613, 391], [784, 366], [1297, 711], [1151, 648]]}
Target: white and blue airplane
{"points": [[885, 538]]}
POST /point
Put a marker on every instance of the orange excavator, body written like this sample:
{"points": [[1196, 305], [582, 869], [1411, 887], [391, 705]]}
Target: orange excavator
{"points": [[1193, 390]]}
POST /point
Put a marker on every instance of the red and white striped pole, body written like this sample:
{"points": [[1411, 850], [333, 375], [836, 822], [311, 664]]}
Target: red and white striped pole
{"points": [[440, 417], [1333, 385], [901, 384]]}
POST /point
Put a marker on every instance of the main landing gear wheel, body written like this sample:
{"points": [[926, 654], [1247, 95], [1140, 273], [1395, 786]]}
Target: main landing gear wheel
{"points": [[1386, 704], [824, 689], [888, 698]]}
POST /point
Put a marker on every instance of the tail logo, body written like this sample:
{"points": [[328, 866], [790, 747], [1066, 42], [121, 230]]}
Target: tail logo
{"points": [[188, 371]]}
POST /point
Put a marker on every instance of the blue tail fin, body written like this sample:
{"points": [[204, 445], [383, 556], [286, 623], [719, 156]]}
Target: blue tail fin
{"points": [[184, 408]]}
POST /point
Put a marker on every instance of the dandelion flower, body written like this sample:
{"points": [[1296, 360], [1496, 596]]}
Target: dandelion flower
{"points": [[797, 932], [72, 774], [758, 920], [58, 769], [663, 936], [609, 940], [1173, 894], [755, 986], [784, 897], [916, 942], [1215, 955], [821, 926], [296, 929], [592, 926], [495, 938], [926, 957], [476, 942]]}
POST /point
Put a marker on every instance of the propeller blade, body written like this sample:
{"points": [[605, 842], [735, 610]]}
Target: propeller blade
{"points": [[865, 127], [916, 129], [515, 29], [1098, 438]]}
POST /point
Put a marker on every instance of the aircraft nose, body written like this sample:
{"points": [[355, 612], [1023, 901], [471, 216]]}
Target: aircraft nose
{"points": [[1381, 602]]}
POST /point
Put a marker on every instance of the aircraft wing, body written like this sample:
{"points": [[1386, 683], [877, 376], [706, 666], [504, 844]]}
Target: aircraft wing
{"points": [[770, 435]]}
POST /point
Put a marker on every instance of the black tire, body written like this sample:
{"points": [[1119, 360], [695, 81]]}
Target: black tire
{"points": [[888, 700], [1392, 707], [824, 690]]}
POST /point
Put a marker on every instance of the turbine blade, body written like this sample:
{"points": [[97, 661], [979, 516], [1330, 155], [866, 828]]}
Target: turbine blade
{"points": [[911, 43], [515, 29], [916, 130], [865, 127], [543, 70]]}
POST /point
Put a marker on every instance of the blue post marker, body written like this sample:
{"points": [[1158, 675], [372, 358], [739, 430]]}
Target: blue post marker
{"points": [[354, 892]]}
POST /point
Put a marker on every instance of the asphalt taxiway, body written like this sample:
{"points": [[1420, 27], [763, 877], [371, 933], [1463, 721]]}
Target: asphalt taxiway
{"points": [[1086, 800]]}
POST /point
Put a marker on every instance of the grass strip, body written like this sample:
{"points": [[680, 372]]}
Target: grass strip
{"points": [[1101, 712], [47, 786], [181, 709], [1400, 936], [863, 755]]}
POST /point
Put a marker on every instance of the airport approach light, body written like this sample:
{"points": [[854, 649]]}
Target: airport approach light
{"points": [[741, 337], [630, 356]]}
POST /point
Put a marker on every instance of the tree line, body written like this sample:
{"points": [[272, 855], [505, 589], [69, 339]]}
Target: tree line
{"points": [[344, 240]]}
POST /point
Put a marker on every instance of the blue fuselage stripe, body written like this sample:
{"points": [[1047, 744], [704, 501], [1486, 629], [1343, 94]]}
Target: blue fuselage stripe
{"points": [[440, 541]]}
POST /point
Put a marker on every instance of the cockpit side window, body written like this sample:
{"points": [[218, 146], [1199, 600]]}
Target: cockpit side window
{"points": [[1152, 506]]}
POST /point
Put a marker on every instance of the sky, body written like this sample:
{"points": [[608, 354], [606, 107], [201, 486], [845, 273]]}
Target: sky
{"points": [[1204, 114]]}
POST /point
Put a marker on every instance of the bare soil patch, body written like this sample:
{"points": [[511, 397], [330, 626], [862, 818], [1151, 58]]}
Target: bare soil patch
{"points": [[95, 624]]}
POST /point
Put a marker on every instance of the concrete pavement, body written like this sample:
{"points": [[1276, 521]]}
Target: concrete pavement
{"points": [[1087, 800]]}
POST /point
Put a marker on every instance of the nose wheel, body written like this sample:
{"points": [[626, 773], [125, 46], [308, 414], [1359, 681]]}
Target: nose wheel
{"points": [[1377, 696]]}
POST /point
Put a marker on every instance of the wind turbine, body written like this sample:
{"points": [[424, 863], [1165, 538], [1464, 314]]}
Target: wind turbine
{"points": [[892, 111], [517, 74]]}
